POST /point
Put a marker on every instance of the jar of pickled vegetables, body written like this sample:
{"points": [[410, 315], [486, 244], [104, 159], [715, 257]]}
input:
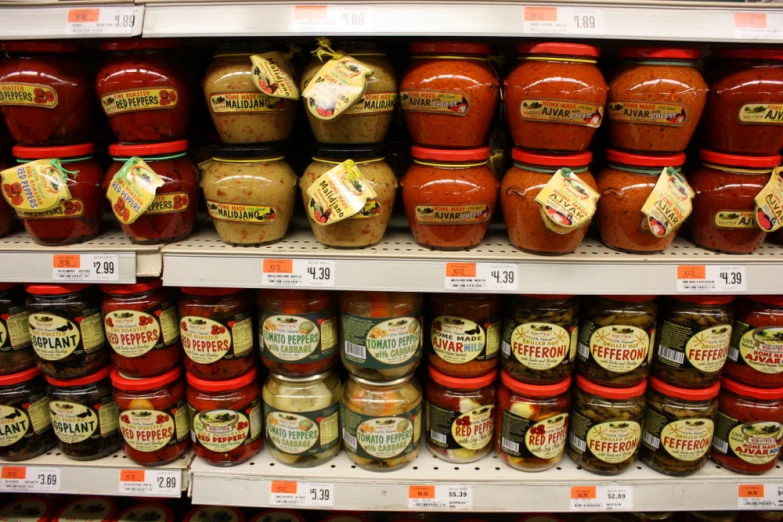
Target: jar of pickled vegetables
{"points": [[25, 424], [756, 351], [382, 334], [606, 426], [465, 333], [298, 331], [678, 427], [16, 348], [616, 339], [532, 423], [302, 419], [381, 422], [694, 340], [460, 414], [540, 337], [216, 325]]}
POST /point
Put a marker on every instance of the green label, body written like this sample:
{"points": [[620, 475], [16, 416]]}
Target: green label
{"points": [[381, 437], [382, 343], [299, 338], [306, 433]]}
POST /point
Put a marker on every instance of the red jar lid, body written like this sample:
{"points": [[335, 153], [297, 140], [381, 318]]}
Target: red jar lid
{"points": [[8, 286], [144, 511], [219, 386], [559, 49], [629, 298], [450, 47], [81, 381], [123, 150], [197, 290], [123, 382], [139, 44], [16, 378], [774, 300], [42, 510], [611, 393], [462, 383], [685, 393], [55, 289], [734, 160], [535, 390], [640, 160], [545, 297], [108, 510], [67, 151], [213, 512], [669, 53], [40, 47], [136, 288], [705, 299], [551, 160], [765, 394], [277, 514], [463, 155], [750, 54]]}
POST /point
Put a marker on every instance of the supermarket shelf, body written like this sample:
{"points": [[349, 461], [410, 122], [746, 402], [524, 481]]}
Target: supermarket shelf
{"points": [[28, 20]]}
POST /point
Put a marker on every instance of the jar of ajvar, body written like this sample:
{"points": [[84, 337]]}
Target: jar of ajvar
{"points": [[756, 350]]}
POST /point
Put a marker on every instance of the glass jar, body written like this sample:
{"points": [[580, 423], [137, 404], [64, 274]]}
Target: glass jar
{"points": [[172, 214], [250, 192], [301, 418], [540, 335], [606, 426], [298, 331], [709, 516], [724, 215], [694, 340], [465, 333], [625, 185], [72, 220], [449, 94], [746, 90], [142, 327], [24, 416], [154, 419], [367, 227], [84, 416], [225, 418], [6, 211], [36, 508], [656, 98], [66, 329], [748, 428], [449, 197], [678, 427], [144, 89], [147, 511], [760, 516], [16, 348], [528, 228], [47, 93], [555, 97], [616, 339], [381, 422], [460, 416], [87, 509], [756, 353], [532, 423], [216, 325], [214, 513], [382, 334]]}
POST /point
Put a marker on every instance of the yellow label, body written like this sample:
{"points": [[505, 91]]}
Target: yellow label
{"points": [[687, 440], [761, 113], [36, 186], [547, 439], [14, 330], [14, 424], [374, 103], [562, 111], [54, 337], [669, 203], [147, 430], [336, 87], [668, 114], [131, 333], [292, 433], [453, 103], [225, 430], [245, 102], [205, 341], [274, 76], [566, 202], [385, 438], [41, 96], [756, 442], [615, 441], [132, 190], [735, 219], [73, 422], [242, 213], [71, 208], [762, 349], [708, 349], [452, 214], [134, 100], [474, 430], [769, 203], [457, 340], [371, 209], [540, 346], [338, 194], [620, 348], [169, 203]]}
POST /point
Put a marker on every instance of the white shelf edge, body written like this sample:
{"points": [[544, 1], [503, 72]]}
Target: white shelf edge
{"points": [[20, 21]]}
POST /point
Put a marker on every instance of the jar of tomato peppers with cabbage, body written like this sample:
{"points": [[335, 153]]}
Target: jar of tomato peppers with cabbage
{"points": [[757, 342]]}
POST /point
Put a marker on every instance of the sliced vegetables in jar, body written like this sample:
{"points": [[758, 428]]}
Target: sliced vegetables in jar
{"points": [[756, 352], [25, 423], [16, 348]]}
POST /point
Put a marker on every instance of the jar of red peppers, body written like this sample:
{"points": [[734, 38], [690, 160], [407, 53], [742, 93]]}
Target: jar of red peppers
{"points": [[142, 327], [756, 351], [298, 331], [154, 418], [226, 418], [25, 424], [72, 220], [173, 211], [47, 96], [144, 89], [16, 349], [216, 325], [6, 211], [460, 415]]}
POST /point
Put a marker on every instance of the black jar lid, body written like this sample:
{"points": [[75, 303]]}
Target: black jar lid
{"points": [[354, 152], [260, 150]]}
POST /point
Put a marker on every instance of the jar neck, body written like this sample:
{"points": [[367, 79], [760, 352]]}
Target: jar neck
{"points": [[450, 165], [446, 56], [736, 170], [148, 159], [671, 63], [560, 59], [63, 161], [249, 160], [548, 170], [337, 162], [647, 171]]}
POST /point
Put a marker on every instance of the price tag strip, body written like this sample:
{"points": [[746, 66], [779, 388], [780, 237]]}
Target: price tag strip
{"points": [[711, 278], [749, 25], [441, 497], [102, 21], [301, 494], [601, 498], [23, 479], [151, 482], [563, 20], [481, 276], [85, 268], [333, 18], [299, 273], [760, 496]]}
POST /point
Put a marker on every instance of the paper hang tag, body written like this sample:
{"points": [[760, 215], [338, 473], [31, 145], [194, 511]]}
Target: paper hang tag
{"points": [[336, 87], [36, 186], [567, 203], [669, 204], [338, 194], [132, 190], [274, 76], [769, 203]]}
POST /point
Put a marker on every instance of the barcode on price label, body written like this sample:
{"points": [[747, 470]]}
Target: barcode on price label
{"points": [[749, 25], [601, 498], [563, 20], [440, 497], [101, 21], [85, 268], [481, 276], [760, 496], [156, 483], [711, 278], [299, 273], [301, 494], [29, 478], [328, 18]]}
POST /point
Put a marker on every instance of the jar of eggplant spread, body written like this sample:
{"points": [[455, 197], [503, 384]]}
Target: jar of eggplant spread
{"points": [[25, 424], [16, 348]]}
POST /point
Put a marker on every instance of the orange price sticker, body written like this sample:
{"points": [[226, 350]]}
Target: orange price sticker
{"points": [[310, 12], [583, 492], [421, 492], [14, 472], [691, 272], [66, 261], [131, 475], [750, 20], [540, 14], [460, 269], [751, 490], [282, 487], [83, 15], [278, 266]]}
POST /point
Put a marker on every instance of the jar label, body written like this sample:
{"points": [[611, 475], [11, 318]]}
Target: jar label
{"points": [[381, 437], [562, 111], [26, 510], [613, 442], [371, 209], [132, 190], [222, 431], [687, 440], [74, 422], [214, 514], [36, 186], [451, 103], [761, 113], [756, 443], [337, 86], [381, 343], [14, 329], [735, 219], [760, 348], [148, 431], [245, 102], [144, 513], [617, 348], [24, 94], [307, 433], [338, 194], [303, 338], [273, 75], [453, 214], [524, 437], [134, 100], [374, 103], [539, 346], [263, 215], [14, 425], [170, 203], [71, 208], [453, 430], [459, 341], [54, 337], [206, 341], [95, 510], [684, 347], [769, 203], [567, 203], [131, 333], [668, 205], [647, 113]]}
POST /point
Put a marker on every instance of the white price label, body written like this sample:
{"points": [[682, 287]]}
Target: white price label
{"points": [[760, 496], [301, 494], [21, 479], [563, 20], [711, 278], [601, 498], [151, 482], [299, 273], [440, 497], [749, 25], [333, 18], [85, 268], [481, 276], [102, 21]]}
